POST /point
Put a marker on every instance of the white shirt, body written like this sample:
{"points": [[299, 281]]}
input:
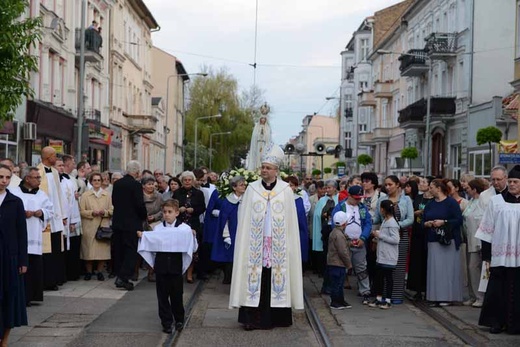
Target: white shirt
{"points": [[2, 197], [353, 229]]}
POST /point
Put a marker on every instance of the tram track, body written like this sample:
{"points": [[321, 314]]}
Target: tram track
{"points": [[315, 323]]}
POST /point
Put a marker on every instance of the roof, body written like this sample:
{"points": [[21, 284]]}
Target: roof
{"points": [[388, 20], [181, 71], [144, 13], [511, 104]]}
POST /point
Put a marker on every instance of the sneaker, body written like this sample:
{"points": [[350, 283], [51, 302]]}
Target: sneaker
{"points": [[385, 305], [444, 304], [338, 306], [375, 303], [347, 305], [468, 302], [366, 299], [477, 304]]}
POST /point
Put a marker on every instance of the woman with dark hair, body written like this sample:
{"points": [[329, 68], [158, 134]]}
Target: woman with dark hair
{"points": [[416, 280], [442, 219], [173, 184], [455, 191], [411, 188], [403, 209], [13, 258], [302, 218], [153, 202]]}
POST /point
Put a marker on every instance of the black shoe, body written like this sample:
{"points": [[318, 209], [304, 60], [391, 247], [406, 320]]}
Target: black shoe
{"points": [[179, 326], [167, 329], [496, 329], [124, 284], [100, 276], [53, 288], [88, 276], [249, 327], [111, 275], [28, 304]]}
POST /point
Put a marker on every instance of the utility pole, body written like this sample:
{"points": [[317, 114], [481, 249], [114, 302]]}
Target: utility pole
{"points": [[81, 100]]}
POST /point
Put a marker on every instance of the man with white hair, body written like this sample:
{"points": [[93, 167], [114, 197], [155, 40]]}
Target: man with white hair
{"points": [[267, 272], [129, 215]]}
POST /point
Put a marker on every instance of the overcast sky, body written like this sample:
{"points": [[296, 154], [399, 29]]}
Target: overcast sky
{"points": [[299, 42]]}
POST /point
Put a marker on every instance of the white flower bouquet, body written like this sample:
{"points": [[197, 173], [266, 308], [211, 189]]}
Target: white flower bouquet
{"points": [[223, 186]]}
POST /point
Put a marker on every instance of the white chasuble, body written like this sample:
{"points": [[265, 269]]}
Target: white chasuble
{"points": [[50, 185], [501, 227], [35, 225], [261, 209]]}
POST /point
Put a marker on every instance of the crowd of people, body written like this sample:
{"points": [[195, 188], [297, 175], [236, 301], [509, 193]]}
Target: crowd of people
{"points": [[444, 241]]}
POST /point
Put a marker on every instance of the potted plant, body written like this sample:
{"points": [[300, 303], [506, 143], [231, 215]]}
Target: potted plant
{"points": [[364, 159], [316, 173], [410, 153]]}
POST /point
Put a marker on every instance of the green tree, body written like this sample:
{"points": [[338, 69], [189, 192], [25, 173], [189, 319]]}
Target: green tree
{"points": [[489, 135], [17, 37], [327, 170], [364, 159], [211, 95], [409, 153]]}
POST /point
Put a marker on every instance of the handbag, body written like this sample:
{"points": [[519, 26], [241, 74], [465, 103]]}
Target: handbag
{"points": [[104, 233], [444, 235]]}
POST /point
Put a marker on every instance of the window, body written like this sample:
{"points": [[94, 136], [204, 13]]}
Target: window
{"points": [[363, 85], [364, 49], [456, 160], [362, 128], [348, 139], [480, 163], [8, 144]]}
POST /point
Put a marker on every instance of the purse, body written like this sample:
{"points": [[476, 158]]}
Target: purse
{"points": [[104, 233], [444, 235]]}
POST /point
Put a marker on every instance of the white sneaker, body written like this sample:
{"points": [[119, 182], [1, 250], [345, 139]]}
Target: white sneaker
{"points": [[468, 302], [477, 304]]}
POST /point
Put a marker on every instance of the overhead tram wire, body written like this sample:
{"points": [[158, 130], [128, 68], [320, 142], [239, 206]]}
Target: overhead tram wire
{"points": [[255, 47]]}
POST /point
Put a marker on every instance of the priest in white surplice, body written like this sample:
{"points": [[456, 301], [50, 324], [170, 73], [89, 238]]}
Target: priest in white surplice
{"points": [[38, 209], [500, 226], [267, 267], [53, 248]]}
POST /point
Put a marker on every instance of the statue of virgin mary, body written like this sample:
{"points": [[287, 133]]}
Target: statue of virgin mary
{"points": [[260, 139]]}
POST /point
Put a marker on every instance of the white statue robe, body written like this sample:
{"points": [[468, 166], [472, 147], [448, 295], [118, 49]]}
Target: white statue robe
{"points": [[35, 225], [50, 185], [272, 213], [500, 226], [260, 139]]}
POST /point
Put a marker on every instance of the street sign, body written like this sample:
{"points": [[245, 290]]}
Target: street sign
{"points": [[509, 158], [341, 171]]}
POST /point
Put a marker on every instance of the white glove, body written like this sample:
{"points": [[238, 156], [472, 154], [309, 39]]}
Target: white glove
{"points": [[227, 241], [215, 213]]}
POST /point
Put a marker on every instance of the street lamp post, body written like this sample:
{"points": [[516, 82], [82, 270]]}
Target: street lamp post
{"points": [[211, 145], [197, 136], [427, 166], [167, 109]]}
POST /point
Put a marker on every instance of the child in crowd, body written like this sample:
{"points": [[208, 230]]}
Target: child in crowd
{"points": [[168, 250], [338, 261], [387, 253]]}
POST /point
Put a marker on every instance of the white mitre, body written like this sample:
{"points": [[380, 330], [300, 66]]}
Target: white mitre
{"points": [[273, 155]]}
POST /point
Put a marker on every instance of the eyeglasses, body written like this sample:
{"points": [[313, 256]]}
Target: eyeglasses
{"points": [[35, 177]]}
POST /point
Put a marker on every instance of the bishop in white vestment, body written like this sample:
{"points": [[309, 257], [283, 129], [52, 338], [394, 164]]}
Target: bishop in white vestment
{"points": [[267, 268]]}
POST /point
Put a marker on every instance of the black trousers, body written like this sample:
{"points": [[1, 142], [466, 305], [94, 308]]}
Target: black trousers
{"points": [[125, 253], [73, 261], [54, 263], [169, 296], [384, 279]]}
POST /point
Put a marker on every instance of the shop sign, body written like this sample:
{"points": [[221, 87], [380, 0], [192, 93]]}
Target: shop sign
{"points": [[57, 145]]}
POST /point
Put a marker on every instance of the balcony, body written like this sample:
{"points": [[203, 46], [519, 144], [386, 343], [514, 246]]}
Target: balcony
{"points": [[366, 139], [383, 89], [441, 45], [143, 124], [93, 116], [382, 134], [412, 116], [93, 44], [413, 63], [367, 99], [349, 113]]}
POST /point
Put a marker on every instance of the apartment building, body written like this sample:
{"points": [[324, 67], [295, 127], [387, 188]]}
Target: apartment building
{"points": [[131, 118]]}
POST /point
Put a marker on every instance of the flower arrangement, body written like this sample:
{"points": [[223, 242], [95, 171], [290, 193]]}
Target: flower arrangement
{"points": [[223, 186]]}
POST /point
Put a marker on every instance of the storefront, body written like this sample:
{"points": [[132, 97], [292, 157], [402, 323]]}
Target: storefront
{"points": [[99, 144], [54, 127]]}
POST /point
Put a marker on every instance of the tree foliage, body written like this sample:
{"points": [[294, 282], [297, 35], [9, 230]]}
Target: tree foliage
{"points": [[17, 37], [209, 96], [327, 170], [489, 135], [364, 159], [409, 153]]}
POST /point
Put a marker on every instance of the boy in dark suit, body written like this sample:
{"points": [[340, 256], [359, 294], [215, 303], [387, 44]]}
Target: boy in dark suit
{"points": [[168, 249]]}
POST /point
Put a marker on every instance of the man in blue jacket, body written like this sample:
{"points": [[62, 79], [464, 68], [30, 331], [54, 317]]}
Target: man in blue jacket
{"points": [[358, 229]]}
